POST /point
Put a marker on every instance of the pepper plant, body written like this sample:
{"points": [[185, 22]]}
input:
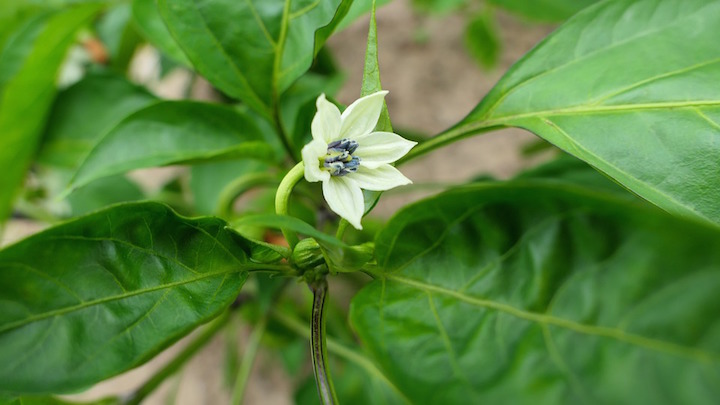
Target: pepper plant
{"points": [[593, 278]]}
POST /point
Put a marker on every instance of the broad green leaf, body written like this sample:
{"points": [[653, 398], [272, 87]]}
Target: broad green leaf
{"points": [[103, 192], [544, 10], [29, 65], [481, 39], [84, 113], [254, 49], [630, 88], [522, 293], [103, 293], [147, 19], [173, 132]]}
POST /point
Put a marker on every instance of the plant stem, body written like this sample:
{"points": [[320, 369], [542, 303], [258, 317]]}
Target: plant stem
{"points": [[191, 349], [248, 360], [282, 198], [336, 348], [237, 187], [342, 226], [318, 344]]}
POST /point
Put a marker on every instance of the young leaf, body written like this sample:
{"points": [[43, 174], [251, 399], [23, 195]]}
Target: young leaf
{"points": [[29, 66], [630, 88], [252, 50], [173, 132], [520, 293], [101, 294]]}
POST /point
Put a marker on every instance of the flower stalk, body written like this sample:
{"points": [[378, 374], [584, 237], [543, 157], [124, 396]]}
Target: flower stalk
{"points": [[325, 387], [282, 198]]}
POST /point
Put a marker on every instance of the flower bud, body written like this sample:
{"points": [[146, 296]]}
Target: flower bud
{"points": [[307, 254]]}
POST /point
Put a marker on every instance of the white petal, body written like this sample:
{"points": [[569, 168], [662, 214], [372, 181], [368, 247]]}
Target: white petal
{"points": [[345, 198], [377, 148], [361, 116], [326, 123], [311, 154], [382, 178]]}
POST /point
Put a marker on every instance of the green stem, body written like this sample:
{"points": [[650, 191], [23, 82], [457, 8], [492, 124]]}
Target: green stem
{"points": [[236, 188], [171, 368], [336, 348], [248, 360], [318, 344], [282, 198], [342, 226], [445, 138]]}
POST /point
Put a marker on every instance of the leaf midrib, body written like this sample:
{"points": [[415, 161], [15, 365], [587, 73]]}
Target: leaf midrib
{"points": [[118, 297], [545, 319]]}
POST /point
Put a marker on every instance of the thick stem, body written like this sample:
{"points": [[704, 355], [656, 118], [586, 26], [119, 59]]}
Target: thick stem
{"points": [[171, 368], [318, 344], [282, 198]]}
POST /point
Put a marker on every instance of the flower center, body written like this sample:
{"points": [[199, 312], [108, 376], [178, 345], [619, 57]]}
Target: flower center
{"points": [[339, 160]]}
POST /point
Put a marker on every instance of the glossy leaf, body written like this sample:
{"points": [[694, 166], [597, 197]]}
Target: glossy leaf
{"points": [[629, 87], [103, 293], [29, 66], [147, 19], [252, 50], [544, 10], [83, 113], [520, 293], [173, 132]]}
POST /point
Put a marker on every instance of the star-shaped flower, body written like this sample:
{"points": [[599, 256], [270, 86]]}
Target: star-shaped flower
{"points": [[347, 155]]}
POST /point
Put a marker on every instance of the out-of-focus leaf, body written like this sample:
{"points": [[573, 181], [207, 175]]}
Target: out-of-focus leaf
{"points": [[148, 21], [629, 87], [84, 113], [298, 105], [173, 132], [252, 50], [544, 10], [118, 35], [212, 183], [521, 293], [29, 66], [438, 6], [481, 39], [105, 292]]}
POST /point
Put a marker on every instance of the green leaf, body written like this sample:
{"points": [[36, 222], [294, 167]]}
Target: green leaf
{"points": [[216, 185], [29, 65], [119, 35], [481, 39], [173, 132], [523, 293], [252, 50], [104, 293], [84, 113], [630, 88], [544, 10], [147, 20]]}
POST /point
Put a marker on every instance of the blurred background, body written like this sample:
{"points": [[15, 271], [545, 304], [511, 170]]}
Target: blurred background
{"points": [[436, 73]]}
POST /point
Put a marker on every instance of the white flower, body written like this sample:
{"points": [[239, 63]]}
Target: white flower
{"points": [[347, 156]]}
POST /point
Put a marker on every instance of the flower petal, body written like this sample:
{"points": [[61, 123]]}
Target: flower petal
{"points": [[326, 122], [345, 198], [311, 154], [361, 116], [377, 148], [382, 178]]}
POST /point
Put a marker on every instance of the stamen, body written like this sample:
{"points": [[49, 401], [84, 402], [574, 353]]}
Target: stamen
{"points": [[339, 160]]}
